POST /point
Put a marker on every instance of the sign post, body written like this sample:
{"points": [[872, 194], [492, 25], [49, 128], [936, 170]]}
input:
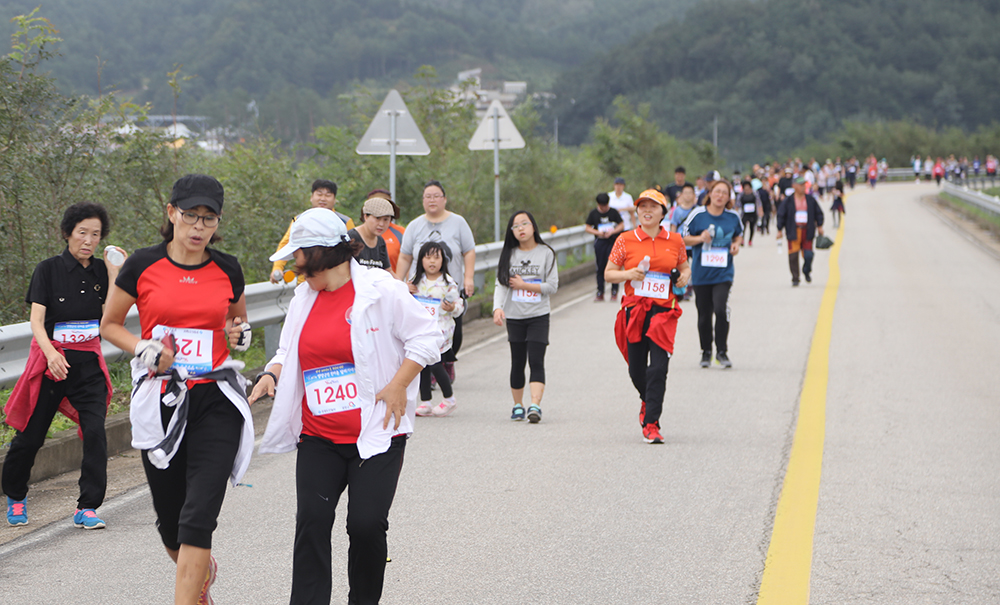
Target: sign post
{"points": [[497, 131], [393, 132]]}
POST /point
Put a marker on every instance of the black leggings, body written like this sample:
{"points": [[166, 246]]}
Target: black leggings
{"points": [[648, 364], [748, 226], [713, 298], [442, 379], [456, 342], [534, 354]]}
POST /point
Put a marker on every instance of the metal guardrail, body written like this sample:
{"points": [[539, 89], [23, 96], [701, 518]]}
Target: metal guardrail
{"points": [[988, 203], [267, 304]]}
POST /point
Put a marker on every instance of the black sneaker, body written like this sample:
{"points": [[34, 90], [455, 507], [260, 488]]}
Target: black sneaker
{"points": [[795, 283], [723, 360], [808, 277], [706, 359]]}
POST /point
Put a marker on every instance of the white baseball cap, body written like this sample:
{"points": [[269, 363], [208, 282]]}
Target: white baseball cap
{"points": [[314, 227]]}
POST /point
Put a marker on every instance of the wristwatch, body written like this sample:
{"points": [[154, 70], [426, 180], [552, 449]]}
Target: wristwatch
{"points": [[266, 373]]}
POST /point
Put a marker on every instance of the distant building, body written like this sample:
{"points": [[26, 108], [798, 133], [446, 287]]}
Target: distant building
{"points": [[469, 88]]}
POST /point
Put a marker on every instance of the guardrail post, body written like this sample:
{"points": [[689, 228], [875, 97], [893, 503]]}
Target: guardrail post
{"points": [[272, 334], [479, 279]]}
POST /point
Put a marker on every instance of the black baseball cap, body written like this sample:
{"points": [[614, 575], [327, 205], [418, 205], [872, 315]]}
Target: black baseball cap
{"points": [[193, 190]]}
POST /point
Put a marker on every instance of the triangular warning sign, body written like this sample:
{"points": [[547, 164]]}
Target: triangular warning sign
{"points": [[483, 139], [409, 140]]}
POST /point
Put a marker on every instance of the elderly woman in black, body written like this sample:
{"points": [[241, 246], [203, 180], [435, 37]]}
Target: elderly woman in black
{"points": [[65, 370]]}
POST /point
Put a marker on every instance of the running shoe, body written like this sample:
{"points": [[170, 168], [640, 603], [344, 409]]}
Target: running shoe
{"points": [[795, 283], [642, 413], [424, 409], [808, 277], [213, 570], [706, 359], [651, 433], [445, 407], [599, 298], [723, 360], [614, 298], [517, 413], [534, 414], [87, 519], [17, 512]]}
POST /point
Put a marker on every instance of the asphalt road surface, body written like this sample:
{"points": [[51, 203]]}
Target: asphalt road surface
{"points": [[578, 509]]}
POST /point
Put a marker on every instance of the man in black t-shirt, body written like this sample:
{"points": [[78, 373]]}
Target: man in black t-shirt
{"points": [[673, 191], [604, 223]]}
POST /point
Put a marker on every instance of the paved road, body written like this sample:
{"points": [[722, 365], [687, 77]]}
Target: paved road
{"points": [[578, 509]]}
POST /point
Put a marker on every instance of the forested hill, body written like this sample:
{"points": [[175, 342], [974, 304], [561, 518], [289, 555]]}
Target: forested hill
{"points": [[314, 48], [779, 72]]}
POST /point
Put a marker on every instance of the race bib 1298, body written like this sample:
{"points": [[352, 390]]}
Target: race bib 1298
{"points": [[715, 257]]}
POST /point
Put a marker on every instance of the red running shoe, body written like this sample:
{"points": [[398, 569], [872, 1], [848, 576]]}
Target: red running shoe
{"points": [[651, 433]]}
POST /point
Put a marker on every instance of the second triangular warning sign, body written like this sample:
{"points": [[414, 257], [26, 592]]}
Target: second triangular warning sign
{"points": [[483, 139]]}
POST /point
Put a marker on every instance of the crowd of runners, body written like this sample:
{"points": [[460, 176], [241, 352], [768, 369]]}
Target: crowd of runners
{"points": [[372, 331]]}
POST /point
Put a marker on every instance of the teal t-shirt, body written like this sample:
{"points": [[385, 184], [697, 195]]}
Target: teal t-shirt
{"points": [[712, 264]]}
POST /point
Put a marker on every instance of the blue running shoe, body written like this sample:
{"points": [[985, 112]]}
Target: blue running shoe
{"points": [[17, 512], [517, 413], [87, 519], [534, 414]]}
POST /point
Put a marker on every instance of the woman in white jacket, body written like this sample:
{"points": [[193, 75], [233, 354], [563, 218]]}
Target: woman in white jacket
{"points": [[352, 345]]}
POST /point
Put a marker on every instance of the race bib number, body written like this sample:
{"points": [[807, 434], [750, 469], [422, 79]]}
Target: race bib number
{"points": [[194, 348], [654, 285], [433, 305], [606, 227], [801, 217], [715, 257], [749, 208], [76, 331], [524, 296], [331, 389]]}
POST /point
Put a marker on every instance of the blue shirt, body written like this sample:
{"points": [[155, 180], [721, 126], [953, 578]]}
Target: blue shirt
{"points": [[727, 226]]}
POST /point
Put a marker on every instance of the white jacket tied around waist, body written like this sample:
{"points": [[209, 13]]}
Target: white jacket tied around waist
{"points": [[147, 427], [387, 326]]}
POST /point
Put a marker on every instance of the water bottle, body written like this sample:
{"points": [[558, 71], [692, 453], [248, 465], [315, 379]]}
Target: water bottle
{"points": [[674, 276], [644, 267], [451, 296], [711, 231], [115, 256]]}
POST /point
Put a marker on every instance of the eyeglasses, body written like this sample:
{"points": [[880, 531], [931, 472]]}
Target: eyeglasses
{"points": [[523, 225], [432, 196], [209, 220]]}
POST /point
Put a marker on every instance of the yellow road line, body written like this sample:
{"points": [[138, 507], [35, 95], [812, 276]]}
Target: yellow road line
{"points": [[788, 566]]}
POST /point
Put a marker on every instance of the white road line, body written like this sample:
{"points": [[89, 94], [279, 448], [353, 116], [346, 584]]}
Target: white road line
{"points": [[64, 525], [502, 336]]}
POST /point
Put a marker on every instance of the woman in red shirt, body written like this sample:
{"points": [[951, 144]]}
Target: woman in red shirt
{"points": [[643, 258], [189, 413], [352, 345]]}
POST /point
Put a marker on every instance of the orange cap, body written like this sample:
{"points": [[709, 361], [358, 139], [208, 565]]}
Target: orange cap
{"points": [[654, 196]]}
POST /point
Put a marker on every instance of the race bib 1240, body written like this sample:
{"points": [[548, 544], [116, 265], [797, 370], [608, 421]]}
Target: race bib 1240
{"points": [[331, 389]]}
